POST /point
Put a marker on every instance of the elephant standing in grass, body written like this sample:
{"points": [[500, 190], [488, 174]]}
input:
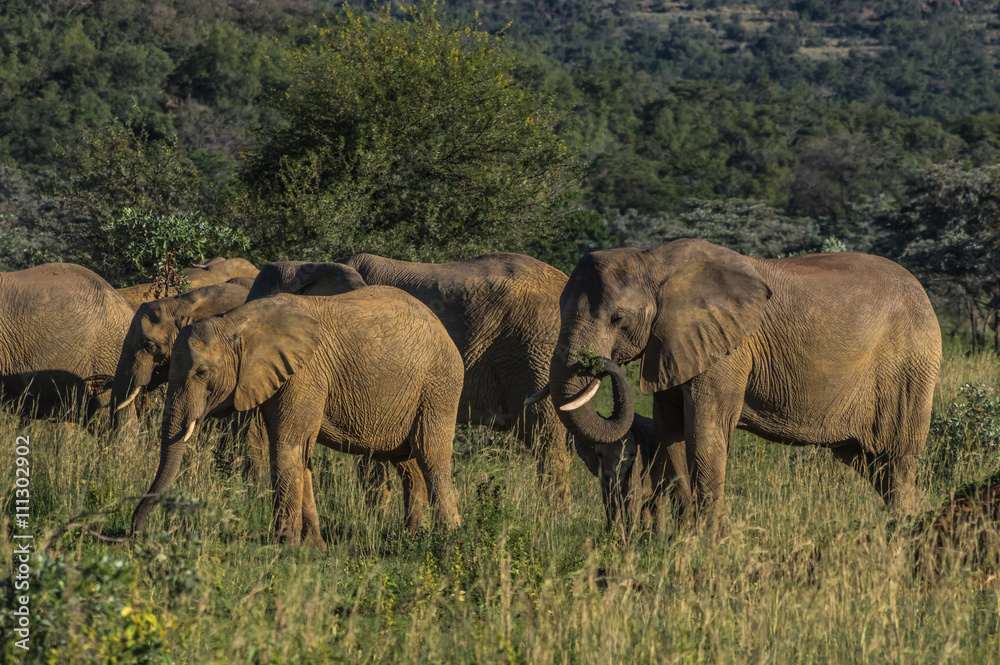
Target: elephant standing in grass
{"points": [[371, 372], [502, 312], [218, 270], [835, 350], [622, 467], [61, 332]]}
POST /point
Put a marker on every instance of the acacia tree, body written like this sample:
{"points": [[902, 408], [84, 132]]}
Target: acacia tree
{"points": [[404, 137]]}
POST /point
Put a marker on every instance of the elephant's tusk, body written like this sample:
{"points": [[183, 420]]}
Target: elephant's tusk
{"points": [[190, 431], [128, 400], [583, 398], [538, 396]]}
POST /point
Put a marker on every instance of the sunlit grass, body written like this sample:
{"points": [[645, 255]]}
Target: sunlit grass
{"points": [[810, 568]]}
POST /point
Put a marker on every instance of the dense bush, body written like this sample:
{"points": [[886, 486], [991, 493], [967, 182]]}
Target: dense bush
{"points": [[407, 138]]}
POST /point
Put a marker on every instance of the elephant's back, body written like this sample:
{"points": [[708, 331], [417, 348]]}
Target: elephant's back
{"points": [[872, 284], [384, 316], [497, 272], [480, 299], [62, 316]]}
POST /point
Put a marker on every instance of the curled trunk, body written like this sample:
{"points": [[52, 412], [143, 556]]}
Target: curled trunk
{"points": [[584, 422]]}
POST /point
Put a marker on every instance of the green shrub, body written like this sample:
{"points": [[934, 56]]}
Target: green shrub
{"points": [[967, 432]]}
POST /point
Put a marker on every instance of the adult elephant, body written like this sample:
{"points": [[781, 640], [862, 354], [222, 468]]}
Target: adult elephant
{"points": [[371, 372], [218, 270], [502, 312], [61, 332], [145, 353], [833, 350]]}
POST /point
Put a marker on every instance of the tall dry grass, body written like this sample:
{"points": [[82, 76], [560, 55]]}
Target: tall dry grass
{"points": [[811, 569]]}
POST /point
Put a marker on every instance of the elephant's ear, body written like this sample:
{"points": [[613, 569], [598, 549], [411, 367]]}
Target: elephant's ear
{"points": [[711, 302], [274, 345]]}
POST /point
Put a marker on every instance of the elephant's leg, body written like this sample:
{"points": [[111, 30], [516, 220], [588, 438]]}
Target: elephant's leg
{"points": [[893, 477], [414, 493], [432, 446], [668, 468], [374, 478], [289, 449], [310, 515], [712, 405], [546, 437]]}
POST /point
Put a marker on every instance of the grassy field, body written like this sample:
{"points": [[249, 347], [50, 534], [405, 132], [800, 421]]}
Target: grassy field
{"points": [[811, 569]]}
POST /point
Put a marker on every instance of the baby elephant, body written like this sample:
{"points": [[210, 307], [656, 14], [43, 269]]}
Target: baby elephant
{"points": [[371, 372], [622, 466]]}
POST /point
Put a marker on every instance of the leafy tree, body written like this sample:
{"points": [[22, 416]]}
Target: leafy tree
{"points": [[408, 138], [580, 232], [137, 202], [948, 233], [748, 227], [158, 245]]}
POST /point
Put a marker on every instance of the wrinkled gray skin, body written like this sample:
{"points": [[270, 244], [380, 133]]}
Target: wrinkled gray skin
{"points": [[305, 279], [145, 353], [219, 270], [324, 279], [327, 370], [502, 312], [834, 350], [61, 332], [622, 467]]}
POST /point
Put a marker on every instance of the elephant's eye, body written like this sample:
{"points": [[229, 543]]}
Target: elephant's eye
{"points": [[201, 371], [617, 318]]}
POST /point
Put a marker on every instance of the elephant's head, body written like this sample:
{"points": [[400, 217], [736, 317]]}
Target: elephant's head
{"points": [[147, 347], [679, 307], [622, 466], [236, 361], [305, 279]]}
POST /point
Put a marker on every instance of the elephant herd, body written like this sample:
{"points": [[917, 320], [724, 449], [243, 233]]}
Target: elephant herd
{"points": [[380, 358]]}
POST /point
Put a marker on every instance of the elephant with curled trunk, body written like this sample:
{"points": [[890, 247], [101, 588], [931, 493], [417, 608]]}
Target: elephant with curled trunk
{"points": [[61, 331], [502, 312], [834, 350], [371, 372]]}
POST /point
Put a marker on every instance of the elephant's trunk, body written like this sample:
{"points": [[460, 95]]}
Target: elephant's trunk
{"points": [[174, 434], [134, 372], [572, 394]]}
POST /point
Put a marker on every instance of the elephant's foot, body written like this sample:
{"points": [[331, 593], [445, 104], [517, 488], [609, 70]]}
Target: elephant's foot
{"points": [[314, 540]]}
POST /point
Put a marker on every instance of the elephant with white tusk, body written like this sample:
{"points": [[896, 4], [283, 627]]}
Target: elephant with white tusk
{"points": [[145, 353], [834, 350], [371, 372]]}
